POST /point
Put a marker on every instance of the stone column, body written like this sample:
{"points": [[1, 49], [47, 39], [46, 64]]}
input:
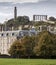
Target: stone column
{"points": [[33, 17], [38, 18], [12, 28], [46, 17], [2, 28]]}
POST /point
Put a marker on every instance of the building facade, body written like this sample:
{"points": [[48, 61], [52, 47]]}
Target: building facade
{"points": [[8, 37]]}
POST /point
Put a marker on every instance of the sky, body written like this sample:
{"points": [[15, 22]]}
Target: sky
{"points": [[26, 7]]}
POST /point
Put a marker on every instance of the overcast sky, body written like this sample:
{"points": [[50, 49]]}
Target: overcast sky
{"points": [[20, 1], [26, 7]]}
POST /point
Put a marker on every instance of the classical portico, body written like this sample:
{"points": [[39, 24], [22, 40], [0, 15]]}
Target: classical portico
{"points": [[39, 17]]}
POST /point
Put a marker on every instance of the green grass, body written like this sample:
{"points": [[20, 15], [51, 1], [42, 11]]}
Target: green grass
{"points": [[27, 62]]}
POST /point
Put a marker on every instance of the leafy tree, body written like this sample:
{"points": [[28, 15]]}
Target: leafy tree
{"points": [[45, 45], [17, 49], [20, 20], [29, 43], [52, 18], [24, 47]]}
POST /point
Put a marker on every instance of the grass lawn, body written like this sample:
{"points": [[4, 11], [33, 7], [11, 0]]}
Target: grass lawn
{"points": [[27, 62]]}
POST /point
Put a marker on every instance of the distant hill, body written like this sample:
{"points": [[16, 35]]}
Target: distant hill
{"points": [[20, 20]]}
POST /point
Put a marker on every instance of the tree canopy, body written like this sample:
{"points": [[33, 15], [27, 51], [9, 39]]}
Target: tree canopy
{"points": [[20, 20], [46, 45], [43, 44], [52, 18], [17, 49]]}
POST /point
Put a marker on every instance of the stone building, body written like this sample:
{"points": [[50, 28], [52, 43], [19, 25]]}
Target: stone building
{"points": [[39, 17], [8, 37]]}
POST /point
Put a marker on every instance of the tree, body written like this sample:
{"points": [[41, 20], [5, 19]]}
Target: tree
{"points": [[17, 49], [20, 20], [29, 43], [52, 18], [45, 45], [23, 46]]}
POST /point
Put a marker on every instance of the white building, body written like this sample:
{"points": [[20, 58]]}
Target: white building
{"points": [[8, 37]]}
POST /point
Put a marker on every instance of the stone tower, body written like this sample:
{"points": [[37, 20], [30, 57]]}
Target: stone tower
{"points": [[15, 13]]}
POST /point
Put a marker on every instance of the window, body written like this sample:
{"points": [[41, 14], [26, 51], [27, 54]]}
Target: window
{"points": [[2, 34], [12, 34], [7, 34]]}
